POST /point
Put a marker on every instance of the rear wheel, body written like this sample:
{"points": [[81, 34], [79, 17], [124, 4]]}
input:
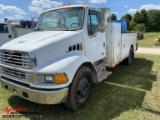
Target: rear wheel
{"points": [[80, 89], [130, 58]]}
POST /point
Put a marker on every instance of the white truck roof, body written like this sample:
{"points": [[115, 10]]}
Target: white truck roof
{"points": [[70, 6]]}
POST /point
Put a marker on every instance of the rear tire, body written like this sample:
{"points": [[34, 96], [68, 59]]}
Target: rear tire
{"points": [[130, 58], [80, 89]]}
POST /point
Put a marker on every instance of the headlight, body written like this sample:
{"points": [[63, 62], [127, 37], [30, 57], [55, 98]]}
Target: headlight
{"points": [[49, 78], [58, 78]]}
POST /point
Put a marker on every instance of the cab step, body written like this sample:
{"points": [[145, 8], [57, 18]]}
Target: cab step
{"points": [[102, 74]]}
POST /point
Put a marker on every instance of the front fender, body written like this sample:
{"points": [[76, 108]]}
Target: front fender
{"points": [[69, 64]]}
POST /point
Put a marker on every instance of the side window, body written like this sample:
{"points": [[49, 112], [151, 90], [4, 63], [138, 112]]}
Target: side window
{"points": [[3, 28], [93, 21]]}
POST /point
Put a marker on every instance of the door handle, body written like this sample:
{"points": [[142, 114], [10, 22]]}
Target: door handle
{"points": [[10, 36], [104, 44]]}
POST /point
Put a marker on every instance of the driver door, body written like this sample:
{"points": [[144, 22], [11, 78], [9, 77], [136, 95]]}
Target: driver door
{"points": [[97, 40]]}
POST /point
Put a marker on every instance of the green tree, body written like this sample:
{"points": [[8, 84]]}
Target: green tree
{"points": [[127, 17], [144, 16], [137, 18], [113, 16], [145, 20], [131, 26], [141, 18], [153, 20], [140, 27]]}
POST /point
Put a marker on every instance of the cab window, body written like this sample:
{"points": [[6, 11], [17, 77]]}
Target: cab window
{"points": [[93, 21]]}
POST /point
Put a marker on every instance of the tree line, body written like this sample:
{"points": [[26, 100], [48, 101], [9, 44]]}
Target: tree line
{"points": [[142, 20]]}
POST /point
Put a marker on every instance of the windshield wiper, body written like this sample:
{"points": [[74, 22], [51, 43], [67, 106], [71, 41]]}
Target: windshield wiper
{"points": [[54, 22], [38, 29]]}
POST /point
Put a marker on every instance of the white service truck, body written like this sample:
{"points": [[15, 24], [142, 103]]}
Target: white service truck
{"points": [[8, 32], [68, 51]]}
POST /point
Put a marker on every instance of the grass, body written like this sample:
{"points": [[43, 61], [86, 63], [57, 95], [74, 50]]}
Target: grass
{"points": [[149, 40], [130, 93]]}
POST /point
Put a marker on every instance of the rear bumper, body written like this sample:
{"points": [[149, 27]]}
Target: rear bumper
{"points": [[37, 96]]}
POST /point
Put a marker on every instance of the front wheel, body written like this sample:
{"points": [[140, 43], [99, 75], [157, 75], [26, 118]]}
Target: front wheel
{"points": [[80, 89]]}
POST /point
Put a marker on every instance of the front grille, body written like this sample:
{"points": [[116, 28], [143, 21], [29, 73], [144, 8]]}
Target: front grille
{"points": [[15, 58], [9, 73]]}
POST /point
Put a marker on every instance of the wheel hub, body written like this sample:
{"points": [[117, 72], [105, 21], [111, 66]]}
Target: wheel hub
{"points": [[83, 88]]}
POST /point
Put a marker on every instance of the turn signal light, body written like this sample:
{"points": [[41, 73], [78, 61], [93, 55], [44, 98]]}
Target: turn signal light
{"points": [[68, 4], [81, 46], [60, 78], [83, 3]]}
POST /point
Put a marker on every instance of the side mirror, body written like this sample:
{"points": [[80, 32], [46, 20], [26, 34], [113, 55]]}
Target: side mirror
{"points": [[105, 12]]}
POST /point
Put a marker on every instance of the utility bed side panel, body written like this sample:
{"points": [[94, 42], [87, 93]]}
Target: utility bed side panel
{"points": [[128, 39], [21, 31], [109, 45], [117, 44], [113, 44]]}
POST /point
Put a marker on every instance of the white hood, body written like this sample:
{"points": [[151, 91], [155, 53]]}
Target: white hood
{"points": [[46, 45], [32, 40]]}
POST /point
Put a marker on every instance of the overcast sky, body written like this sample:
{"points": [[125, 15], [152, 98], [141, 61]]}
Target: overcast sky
{"points": [[26, 9]]}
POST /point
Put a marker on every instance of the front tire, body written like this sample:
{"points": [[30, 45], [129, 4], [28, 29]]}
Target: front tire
{"points": [[80, 89]]}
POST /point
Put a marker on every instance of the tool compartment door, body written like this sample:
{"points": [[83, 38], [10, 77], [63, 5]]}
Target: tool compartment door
{"points": [[113, 40], [117, 42]]}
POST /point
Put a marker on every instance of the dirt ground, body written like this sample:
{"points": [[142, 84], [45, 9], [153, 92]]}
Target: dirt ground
{"points": [[154, 51]]}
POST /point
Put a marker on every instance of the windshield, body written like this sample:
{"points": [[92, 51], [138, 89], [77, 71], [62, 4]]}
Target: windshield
{"points": [[61, 19]]}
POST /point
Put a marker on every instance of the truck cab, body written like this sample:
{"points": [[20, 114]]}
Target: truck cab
{"points": [[63, 57]]}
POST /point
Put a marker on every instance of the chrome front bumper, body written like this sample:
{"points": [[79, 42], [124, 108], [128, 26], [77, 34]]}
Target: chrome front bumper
{"points": [[37, 96]]}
